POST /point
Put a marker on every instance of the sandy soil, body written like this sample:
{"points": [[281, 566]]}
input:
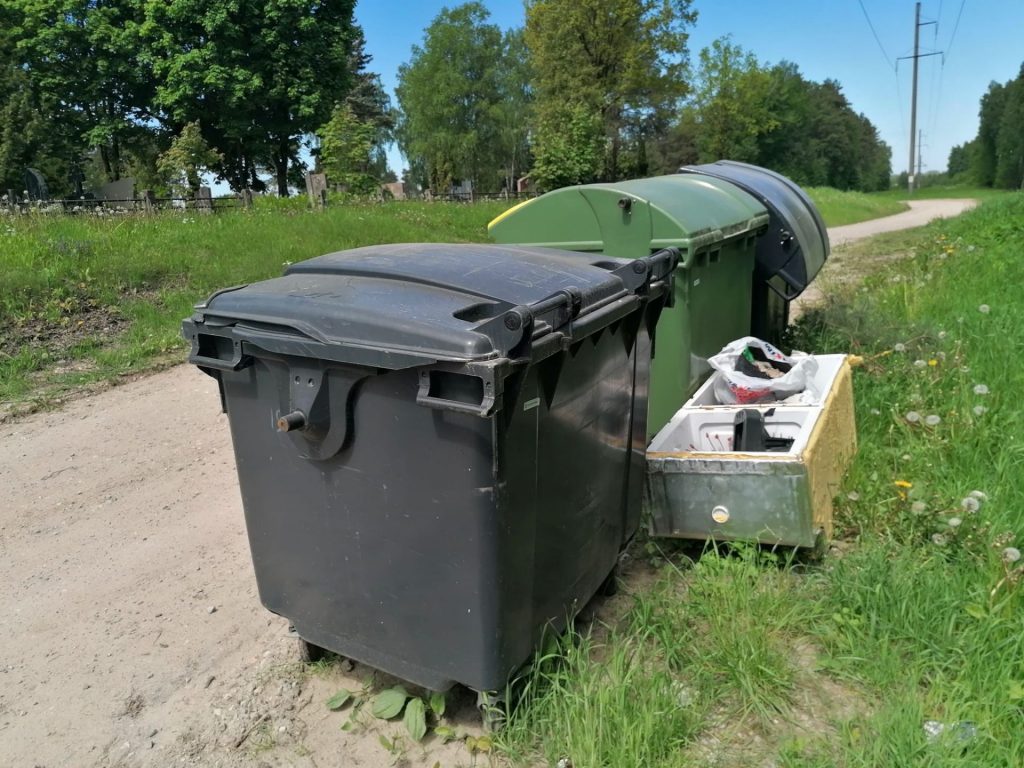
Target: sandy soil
{"points": [[133, 635]]}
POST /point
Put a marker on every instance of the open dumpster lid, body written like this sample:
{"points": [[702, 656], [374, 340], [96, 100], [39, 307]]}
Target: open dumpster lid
{"points": [[631, 218], [796, 245], [398, 306]]}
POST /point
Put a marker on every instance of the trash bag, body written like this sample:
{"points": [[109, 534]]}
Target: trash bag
{"points": [[753, 371]]}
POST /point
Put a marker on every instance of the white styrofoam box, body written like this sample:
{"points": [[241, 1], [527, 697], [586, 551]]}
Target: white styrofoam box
{"points": [[828, 369], [710, 430]]}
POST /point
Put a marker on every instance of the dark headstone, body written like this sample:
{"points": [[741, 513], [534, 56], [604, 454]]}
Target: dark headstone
{"points": [[35, 185]]}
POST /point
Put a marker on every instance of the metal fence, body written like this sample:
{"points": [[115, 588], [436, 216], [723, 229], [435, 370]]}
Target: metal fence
{"points": [[150, 204], [138, 205]]}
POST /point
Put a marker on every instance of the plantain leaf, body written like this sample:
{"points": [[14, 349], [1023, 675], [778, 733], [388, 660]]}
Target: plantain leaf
{"points": [[339, 700], [416, 719], [387, 704], [437, 703]]}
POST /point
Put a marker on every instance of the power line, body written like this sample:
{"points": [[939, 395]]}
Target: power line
{"points": [[956, 26], [873, 32]]}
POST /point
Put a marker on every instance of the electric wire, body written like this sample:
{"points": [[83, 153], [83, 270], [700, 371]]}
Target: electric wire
{"points": [[956, 26], [873, 32]]}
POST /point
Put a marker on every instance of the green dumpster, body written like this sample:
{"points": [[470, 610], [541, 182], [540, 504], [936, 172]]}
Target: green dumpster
{"points": [[714, 224]]}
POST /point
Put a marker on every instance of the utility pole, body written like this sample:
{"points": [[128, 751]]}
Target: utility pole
{"points": [[913, 97]]}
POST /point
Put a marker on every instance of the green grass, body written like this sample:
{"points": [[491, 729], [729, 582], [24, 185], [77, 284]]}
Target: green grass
{"points": [[840, 208], [87, 299], [917, 616], [942, 191], [146, 273]]}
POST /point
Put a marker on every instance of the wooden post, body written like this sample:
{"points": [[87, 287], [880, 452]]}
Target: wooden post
{"points": [[204, 201], [148, 201], [246, 197], [316, 188]]}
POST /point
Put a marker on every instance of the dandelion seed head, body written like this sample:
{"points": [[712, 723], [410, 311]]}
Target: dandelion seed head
{"points": [[899, 347], [932, 420], [970, 504], [979, 495], [984, 309], [853, 496], [943, 334], [918, 507], [1011, 555], [938, 540], [981, 389], [954, 522], [913, 417], [980, 410]]}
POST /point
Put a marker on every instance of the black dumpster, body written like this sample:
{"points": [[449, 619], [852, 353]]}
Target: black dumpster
{"points": [[440, 448], [789, 254]]}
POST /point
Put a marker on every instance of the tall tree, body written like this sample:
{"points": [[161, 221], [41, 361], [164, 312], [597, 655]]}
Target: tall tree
{"points": [[83, 57], [1010, 141], [959, 164], [730, 102], [990, 118], [512, 110], [368, 104], [448, 95], [621, 62], [257, 74]]}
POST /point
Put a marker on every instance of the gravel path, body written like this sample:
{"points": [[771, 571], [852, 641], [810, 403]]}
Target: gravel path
{"points": [[921, 212], [132, 632]]}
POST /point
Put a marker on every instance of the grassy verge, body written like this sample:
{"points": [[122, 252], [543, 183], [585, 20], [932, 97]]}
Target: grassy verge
{"points": [[939, 192], [744, 659], [89, 299], [839, 208]]}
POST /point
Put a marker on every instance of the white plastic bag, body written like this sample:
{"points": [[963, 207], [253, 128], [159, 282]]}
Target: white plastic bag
{"points": [[734, 386]]}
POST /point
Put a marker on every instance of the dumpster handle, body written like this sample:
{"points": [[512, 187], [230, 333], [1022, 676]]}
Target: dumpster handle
{"points": [[203, 344]]}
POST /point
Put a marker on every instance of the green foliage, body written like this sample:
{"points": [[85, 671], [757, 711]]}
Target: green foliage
{"points": [[458, 96], [187, 158], [995, 157], [730, 103], [151, 270], [389, 703], [83, 59], [619, 63], [29, 137], [925, 611], [255, 99], [839, 208], [568, 148], [743, 110], [415, 719], [345, 151], [339, 700]]}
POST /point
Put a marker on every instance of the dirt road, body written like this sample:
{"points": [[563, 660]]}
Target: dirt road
{"points": [[921, 212], [132, 632]]}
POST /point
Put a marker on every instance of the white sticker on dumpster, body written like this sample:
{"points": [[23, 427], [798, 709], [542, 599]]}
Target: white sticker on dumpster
{"points": [[530, 404]]}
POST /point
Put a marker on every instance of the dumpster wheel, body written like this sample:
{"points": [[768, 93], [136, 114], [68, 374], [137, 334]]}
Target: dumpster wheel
{"points": [[610, 586], [310, 653], [492, 706]]}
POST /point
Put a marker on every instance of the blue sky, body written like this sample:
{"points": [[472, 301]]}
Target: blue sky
{"points": [[826, 39]]}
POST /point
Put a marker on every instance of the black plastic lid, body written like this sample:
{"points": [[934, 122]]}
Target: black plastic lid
{"points": [[395, 306], [795, 247]]}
